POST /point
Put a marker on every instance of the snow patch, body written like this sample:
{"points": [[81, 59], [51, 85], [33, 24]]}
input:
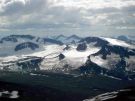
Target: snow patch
{"points": [[116, 42], [48, 49], [33, 74], [11, 95], [14, 95], [78, 54], [103, 97], [98, 60]]}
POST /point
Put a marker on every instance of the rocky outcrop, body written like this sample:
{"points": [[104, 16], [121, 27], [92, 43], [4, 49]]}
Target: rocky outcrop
{"points": [[24, 45], [99, 42], [81, 47]]}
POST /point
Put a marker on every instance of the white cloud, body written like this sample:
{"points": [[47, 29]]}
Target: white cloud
{"points": [[67, 16], [92, 4]]}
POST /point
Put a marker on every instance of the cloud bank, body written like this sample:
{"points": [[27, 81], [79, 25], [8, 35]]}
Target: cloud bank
{"points": [[83, 17]]}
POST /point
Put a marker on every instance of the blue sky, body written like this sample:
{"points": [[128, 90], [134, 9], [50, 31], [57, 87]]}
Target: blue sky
{"points": [[82, 17]]}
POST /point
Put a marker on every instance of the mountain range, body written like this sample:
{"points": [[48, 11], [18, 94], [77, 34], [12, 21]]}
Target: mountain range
{"points": [[112, 57]]}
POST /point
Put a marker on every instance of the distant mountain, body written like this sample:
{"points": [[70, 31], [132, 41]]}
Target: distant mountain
{"points": [[68, 39], [132, 37], [60, 37], [49, 41], [16, 38], [24, 45], [74, 37], [8, 39], [98, 41], [127, 39], [16, 44], [107, 56], [23, 36], [123, 38]]}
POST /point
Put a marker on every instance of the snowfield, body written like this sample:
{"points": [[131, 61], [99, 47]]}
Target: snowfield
{"points": [[48, 51], [72, 58], [73, 53], [50, 54], [117, 42]]}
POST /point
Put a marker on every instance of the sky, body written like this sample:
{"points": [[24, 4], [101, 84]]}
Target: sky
{"points": [[81, 17]]}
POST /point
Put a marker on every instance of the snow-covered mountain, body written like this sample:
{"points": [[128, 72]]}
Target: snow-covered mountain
{"points": [[60, 38], [128, 39], [8, 44], [90, 55], [24, 45], [68, 39], [17, 38], [48, 41]]}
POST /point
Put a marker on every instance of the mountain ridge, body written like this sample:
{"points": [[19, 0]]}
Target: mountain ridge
{"points": [[105, 58]]}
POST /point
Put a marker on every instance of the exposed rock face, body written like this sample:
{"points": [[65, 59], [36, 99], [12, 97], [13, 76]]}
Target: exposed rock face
{"points": [[24, 45], [48, 40], [91, 67], [119, 71], [30, 64], [9, 39], [121, 51], [30, 37], [14, 38], [99, 42], [61, 57], [67, 47], [81, 47]]}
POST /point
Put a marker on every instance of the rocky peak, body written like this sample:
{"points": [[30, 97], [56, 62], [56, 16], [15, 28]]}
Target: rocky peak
{"points": [[81, 47]]}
